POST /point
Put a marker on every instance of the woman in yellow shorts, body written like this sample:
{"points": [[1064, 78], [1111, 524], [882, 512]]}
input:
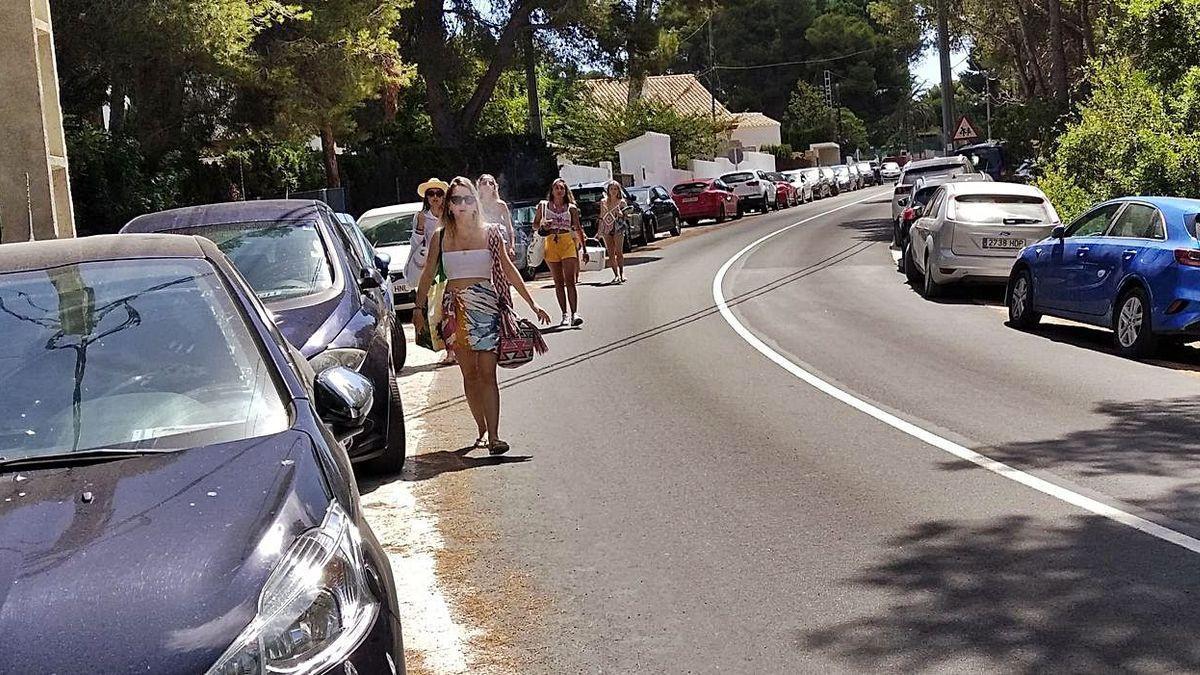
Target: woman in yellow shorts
{"points": [[557, 220]]}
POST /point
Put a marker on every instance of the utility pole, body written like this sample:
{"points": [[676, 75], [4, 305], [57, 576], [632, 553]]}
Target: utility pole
{"points": [[987, 87], [947, 83], [712, 69]]}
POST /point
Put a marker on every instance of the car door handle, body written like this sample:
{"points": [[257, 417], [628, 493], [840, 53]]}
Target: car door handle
{"points": [[1128, 255], [1082, 251]]}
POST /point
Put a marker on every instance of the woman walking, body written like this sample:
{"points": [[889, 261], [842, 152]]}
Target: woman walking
{"points": [[471, 306], [557, 219], [612, 229], [433, 194], [495, 210]]}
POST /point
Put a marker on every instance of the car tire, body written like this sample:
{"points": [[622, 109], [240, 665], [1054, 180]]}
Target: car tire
{"points": [[1019, 298], [675, 227], [650, 231], [394, 450], [737, 215], [1132, 327], [930, 289], [528, 273], [692, 222], [910, 268]]}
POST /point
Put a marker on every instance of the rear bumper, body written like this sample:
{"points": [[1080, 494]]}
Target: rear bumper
{"points": [[949, 268], [699, 210]]}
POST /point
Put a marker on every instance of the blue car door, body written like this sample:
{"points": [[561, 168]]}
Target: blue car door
{"points": [[1065, 269], [1129, 240]]}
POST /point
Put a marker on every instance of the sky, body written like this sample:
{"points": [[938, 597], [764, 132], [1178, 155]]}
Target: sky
{"points": [[926, 71]]}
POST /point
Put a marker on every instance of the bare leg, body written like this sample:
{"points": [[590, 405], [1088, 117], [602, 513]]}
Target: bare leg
{"points": [[489, 393], [468, 362], [619, 247], [570, 272], [556, 272], [610, 245]]}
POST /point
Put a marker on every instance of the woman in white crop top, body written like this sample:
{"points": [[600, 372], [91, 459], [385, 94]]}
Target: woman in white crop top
{"points": [[470, 306], [557, 221]]}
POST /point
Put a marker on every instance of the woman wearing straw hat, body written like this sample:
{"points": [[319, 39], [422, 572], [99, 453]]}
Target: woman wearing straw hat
{"points": [[433, 193]]}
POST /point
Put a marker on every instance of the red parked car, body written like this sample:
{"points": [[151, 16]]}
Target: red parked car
{"points": [[785, 192], [709, 198]]}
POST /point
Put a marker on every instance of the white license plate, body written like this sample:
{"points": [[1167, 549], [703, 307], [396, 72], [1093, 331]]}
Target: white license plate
{"points": [[690, 200], [1003, 243], [399, 287]]}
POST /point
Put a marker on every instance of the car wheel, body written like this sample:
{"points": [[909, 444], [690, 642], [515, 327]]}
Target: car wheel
{"points": [[394, 452], [1020, 302], [528, 273], [910, 268], [930, 289], [739, 213], [626, 244], [1131, 323], [649, 232], [675, 231], [692, 222]]}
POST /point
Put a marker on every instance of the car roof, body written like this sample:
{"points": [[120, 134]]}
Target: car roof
{"points": [[1170, 206], [45, 254], [273, 210], [936, 162], [706, 181], [981, 187], [590, 186], [394, 210]]}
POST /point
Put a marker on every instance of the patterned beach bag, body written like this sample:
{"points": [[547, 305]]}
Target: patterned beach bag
{"points": [[520, 340]]}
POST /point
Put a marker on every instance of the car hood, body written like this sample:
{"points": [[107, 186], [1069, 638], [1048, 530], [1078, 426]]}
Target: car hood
{"points": [[312, 324], [161, 569], [399, 256]]}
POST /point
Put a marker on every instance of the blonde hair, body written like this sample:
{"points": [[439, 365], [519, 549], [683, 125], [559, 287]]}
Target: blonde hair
{"points": [[448, 222]]}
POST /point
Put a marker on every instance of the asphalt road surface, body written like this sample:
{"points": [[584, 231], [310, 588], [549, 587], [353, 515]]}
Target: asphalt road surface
{"points": [[681, 502]]}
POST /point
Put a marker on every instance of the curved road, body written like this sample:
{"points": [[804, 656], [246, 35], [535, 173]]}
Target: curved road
{"points": [[688, 505]]}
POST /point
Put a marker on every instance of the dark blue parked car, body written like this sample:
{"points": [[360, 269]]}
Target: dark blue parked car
{"points": [[170, 501], [1131, 264], [328, 300]]}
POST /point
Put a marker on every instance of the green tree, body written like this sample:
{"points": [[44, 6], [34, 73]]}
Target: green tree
{"points": [[809, 119], [590, 133]]}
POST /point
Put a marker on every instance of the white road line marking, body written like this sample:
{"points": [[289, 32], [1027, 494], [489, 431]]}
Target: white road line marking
{"points": [[1041, 485]]}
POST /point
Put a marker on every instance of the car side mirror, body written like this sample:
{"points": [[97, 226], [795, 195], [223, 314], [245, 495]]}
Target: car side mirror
{"points": [[630, 210], [1059, 232], [383, 263], [903, 201], [370, 278], [343, 397]]}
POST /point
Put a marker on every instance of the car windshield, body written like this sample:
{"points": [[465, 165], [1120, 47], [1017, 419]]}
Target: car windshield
{"points": [[389, 230], [690, 188], [640, 194], [737, 177], [140, 354], [588, 195], [891, 166], [812, 174], [522, 216], [913, 175], [841, 170], [280, 260], [1002, 208]]}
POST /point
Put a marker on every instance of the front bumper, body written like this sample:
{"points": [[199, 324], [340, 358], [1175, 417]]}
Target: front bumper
{"points": [[404, 295], [948, 268], [381, 651]]}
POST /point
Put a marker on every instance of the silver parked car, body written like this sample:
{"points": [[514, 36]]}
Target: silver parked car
{"points": [[973, 231], [925, 168]]}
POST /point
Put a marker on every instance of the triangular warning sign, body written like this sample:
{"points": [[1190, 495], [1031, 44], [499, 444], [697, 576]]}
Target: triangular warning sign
{"points": [[965, 131]]}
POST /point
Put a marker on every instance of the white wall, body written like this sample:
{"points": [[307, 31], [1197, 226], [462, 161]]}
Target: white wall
{"points": [[578, 173], [757, 136], [758, 160], [703, 168], [648, 159]]}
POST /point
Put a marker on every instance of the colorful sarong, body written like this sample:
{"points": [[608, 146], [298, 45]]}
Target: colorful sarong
{"points": [[471, 314]]}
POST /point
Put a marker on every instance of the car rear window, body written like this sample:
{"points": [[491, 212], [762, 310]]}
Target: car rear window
{"points": [[1002, 209], [389, 230], [690, 188], [589, 195], [737, 177], [280, 260]]}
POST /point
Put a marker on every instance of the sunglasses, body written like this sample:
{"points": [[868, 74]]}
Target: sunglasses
{"points": [[458, 200], [487, 182], [435, 194]]}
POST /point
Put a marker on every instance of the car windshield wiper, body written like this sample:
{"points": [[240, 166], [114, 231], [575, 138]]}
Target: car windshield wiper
{"points": [[78, 457], [1022, 221]]}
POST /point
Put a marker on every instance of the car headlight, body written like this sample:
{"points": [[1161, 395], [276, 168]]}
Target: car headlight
{"points": [[313, 610], [348, 357]]}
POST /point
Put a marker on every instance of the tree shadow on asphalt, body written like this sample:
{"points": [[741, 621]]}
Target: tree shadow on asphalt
{"points": [[622, 343], [1023, 595], [1170, 355], [433, 464], [873, 229], [1153, 437]]}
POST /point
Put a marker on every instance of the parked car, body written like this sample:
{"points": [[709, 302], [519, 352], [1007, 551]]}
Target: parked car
{"points": [[831, 178], [867, 173], [529, 247], [328, 301], [845, 180], [889, 171], [821, 186], [856, 175], [389, 229], [925, 189], [701, 199], [658, 210], [181, 504], [785, 192], [804, 189], [972, 231], [366, 251], [926, 168], [588, 197], [1131, 264], [874, 164], [753, 190]]}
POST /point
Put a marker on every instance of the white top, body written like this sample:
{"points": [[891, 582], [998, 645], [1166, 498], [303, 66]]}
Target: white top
{"points": [[473, 263]]}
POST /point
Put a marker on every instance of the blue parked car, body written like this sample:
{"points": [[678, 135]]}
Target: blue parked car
{"points": [[1130, 264], [330, 301], [174, 495]]}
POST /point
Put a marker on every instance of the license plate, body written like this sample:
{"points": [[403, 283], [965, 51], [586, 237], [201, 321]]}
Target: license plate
{"points": [[399, 287], [690, 200], [1003, 243]]}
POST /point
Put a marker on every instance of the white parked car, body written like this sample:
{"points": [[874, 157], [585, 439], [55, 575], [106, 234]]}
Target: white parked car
{"points": [[890, 171], [973, 231], [799, 180], [389, 229], [753, 189]]}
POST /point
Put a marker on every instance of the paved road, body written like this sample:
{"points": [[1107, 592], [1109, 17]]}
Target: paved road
{"points": [[680, 503]]}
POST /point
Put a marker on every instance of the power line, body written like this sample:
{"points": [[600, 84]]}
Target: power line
{"points": [[808, 62]]}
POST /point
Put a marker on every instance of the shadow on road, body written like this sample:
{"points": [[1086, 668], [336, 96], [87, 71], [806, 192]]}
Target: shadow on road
{"points": [[433, 464], [878, 229], [1170, 355], [1018, 595]]}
